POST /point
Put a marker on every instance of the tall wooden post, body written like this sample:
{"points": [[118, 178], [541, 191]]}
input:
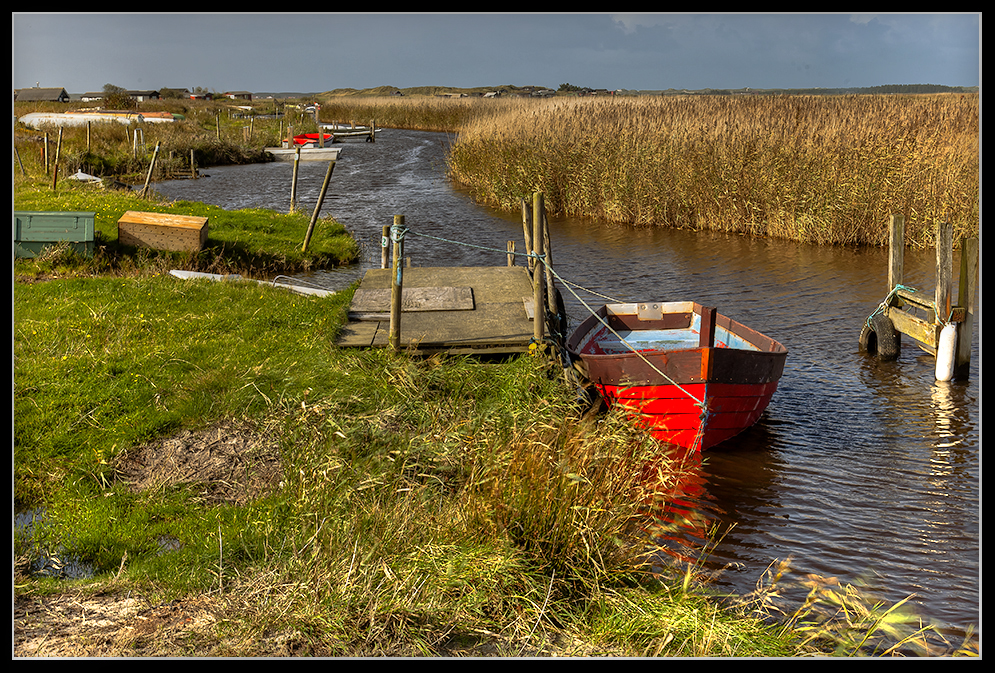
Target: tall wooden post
{"points": [[148, 177], [527, 227], [397, 283], [55, 167], [967, 289], [317, 206], [548, 248], [538, 280]]}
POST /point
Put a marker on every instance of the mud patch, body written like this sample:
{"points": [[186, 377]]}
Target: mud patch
{"points": [[230, 462]]}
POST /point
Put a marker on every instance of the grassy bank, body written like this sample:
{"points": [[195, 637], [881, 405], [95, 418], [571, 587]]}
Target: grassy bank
{"points": [[821, 169], [257, 243]]}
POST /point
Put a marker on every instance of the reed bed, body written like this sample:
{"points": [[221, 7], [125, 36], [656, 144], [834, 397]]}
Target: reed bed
{"points": [[820, 169], [421, 113]]}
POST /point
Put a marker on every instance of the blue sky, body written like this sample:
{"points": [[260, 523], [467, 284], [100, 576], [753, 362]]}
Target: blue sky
{"points": [[318, 52]]}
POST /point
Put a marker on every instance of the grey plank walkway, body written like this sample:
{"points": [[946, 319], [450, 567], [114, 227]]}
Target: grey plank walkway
{"points": [[445, 309]]}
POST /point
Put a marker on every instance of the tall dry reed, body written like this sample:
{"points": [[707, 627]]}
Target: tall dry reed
{"points": [[822, 169]]}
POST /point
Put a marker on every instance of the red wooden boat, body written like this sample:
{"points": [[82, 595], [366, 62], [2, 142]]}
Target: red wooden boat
{"points": [[312, 139], [690, 375]]}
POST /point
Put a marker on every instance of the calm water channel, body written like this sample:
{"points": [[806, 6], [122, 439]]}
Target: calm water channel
{"points": [[865, 471]]}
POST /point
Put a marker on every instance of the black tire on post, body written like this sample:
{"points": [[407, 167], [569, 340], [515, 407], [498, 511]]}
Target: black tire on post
{"points": [[880, 338]]}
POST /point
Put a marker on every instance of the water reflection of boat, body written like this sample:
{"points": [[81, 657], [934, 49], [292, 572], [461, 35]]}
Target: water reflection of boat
{"points": [[690, 375]]}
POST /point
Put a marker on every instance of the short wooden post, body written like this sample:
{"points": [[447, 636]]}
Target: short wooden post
{"points": [[538, 281], [967, 288], [193, 166], [896, 260], [385, 246], [397, 283], [511, 253]]}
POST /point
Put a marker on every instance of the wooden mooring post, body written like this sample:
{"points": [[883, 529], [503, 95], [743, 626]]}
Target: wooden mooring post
{"points": [[397, 282], [940, 326]]}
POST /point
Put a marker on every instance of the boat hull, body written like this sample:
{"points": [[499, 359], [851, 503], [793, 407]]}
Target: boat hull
{"points": [[305, 153], [690, 376]]}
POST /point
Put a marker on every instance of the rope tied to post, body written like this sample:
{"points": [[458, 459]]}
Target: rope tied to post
{"points": [[397, 232]]}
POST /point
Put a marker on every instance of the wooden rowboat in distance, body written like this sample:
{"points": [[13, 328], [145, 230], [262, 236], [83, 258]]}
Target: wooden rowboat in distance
{"points": [[690, 375]]}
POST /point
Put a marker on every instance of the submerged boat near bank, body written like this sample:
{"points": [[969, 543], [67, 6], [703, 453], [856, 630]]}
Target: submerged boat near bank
{"points": [[690, 375]]}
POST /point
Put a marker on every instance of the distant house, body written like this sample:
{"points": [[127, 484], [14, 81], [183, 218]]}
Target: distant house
{"points": [[90, 96], [143, 95], [35, 94], [238, 95]]}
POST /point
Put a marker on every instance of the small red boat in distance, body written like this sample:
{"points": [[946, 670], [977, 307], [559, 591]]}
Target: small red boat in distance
{"points": [[690, 375], [311, 139]]}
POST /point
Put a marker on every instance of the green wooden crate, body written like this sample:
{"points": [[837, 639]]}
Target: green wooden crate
{"points": [[34, 231]]}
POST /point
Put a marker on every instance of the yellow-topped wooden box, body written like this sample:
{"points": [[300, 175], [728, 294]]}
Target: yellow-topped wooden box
{"points": [[162, 231]]}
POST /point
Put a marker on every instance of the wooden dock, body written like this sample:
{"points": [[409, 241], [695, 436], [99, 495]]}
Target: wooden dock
{"points": [[941, 322], [459, 310]]}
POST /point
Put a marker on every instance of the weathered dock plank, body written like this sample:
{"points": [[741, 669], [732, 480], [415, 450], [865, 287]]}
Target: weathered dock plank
{"points": [[445, 309]]}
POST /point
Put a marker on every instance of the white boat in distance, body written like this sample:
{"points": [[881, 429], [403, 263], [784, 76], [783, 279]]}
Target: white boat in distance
{"points": [[310, 149], [307, 153]]}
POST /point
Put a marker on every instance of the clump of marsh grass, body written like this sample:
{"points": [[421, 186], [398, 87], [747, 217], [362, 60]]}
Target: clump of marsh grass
{"points": [[847, 619]]}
